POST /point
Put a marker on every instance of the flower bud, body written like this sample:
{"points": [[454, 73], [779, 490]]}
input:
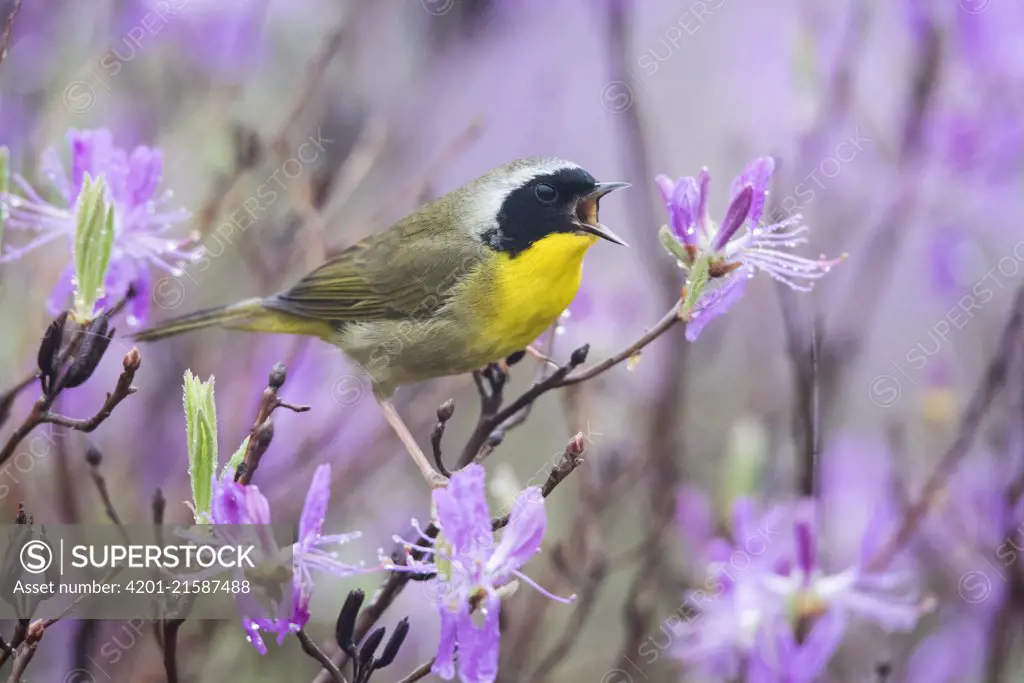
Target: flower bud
{"points": [[579, 356], [394, 644]]}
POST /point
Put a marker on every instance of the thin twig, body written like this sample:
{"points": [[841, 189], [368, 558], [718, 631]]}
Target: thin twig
{"points": [[17, 639], [40, 413], [78, 600], [21, 662], [277, 139], [663, 447], [991, 384], [8, 29], [94, 458], [571, 458], [262, 431], [7, 398], [310, 648], [661, 327], [170, 628], [420, 672], [122, 390], [562, 377], [34, 633], [879, 255], [444, 413], [832, 111]]}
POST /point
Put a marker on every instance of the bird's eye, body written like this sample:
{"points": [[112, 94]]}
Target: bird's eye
{"points": [[546, 193]]}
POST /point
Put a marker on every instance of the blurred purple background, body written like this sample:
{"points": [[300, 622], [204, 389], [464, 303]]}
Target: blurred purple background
{"points": [[898, 130]]}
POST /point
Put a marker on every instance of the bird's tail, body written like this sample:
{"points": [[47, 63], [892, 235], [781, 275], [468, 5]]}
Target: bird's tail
{"points": [[245, 315]]}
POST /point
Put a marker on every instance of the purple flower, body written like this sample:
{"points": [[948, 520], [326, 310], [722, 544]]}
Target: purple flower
{"points": [[716, 302], [474, 573], [724, 616], [885, 598], [140, 243], [778, 656], [236, 504], [766, 586], [742, 244]]}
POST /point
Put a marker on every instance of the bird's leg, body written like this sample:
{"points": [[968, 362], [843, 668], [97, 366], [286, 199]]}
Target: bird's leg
{"points": [[540, 355], [435, 479]]}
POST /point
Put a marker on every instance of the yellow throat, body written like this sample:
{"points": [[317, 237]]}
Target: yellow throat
{"points": [[532, 289]]}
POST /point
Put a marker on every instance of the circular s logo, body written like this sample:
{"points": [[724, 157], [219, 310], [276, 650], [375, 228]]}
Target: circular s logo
{"points": [[36, 556]]}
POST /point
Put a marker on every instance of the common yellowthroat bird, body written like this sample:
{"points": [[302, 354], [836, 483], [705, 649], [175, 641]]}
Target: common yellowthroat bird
{"points": [[465, 281]]}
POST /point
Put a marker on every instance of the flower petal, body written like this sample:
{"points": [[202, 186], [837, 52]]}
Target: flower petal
{"points": [[315, 508], [478, 645], [683, 209], [716, 302], [444, 660], [60, 297], [805, 548], [522, 537], [665, 186], [735, 216], [252, 629], [145, 169], [821, 643], [237, 504], [703, 193], [758, 174], [954, 652], [463, 513]]}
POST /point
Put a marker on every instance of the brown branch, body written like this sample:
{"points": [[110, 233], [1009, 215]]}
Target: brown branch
{"points": [[420, 672], [169, 645], [7, 398], [8, 29], [310, 648], [572, 458], [123, 390], [877, 259], [493, 419], [94, 458], [418, 188], [262, 431], [78, 600], [26, 652], [663, 446], [991, 384], [10, 649], [444, 413], [277, 139], [40, 413], [833, 110], [661, 327]]}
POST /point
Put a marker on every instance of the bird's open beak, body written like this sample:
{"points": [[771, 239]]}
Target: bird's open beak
{"points": [[586, 213]]}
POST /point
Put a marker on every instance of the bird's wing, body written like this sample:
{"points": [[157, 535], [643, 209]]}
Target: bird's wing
{"points": [[407, 271]]}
